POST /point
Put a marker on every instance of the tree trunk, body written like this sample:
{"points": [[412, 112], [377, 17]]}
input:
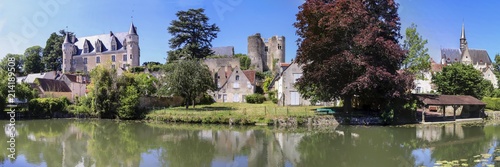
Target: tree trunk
{"points": [[348, 105], [194, 101], [187, 102]]}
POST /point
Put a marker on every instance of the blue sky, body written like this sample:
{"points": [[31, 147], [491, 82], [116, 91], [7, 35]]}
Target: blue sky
{"points": [[24, 23]]}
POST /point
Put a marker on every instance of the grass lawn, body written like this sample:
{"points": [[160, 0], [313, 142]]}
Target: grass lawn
{"points": [[240, 113]]}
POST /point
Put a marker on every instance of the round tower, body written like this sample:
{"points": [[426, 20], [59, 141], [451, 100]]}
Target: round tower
{"points": [[280, 53], [132, 46], [256, 49], [68, 51]]}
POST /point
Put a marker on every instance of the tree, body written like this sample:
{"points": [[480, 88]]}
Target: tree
{"points": [[186, 78], [52, 53], [17, 64], [129, 101], [350, 48], [496, 64], [417, 58], [103, 92], [191, 35], [244, 61], [33, 61], [461, 79]]}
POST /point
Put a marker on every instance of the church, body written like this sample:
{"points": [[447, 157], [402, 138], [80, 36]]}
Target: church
{"points": [[116, 50], [478, 58]]}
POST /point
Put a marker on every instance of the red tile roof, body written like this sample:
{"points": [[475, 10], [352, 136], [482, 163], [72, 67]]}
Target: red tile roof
{"points": [[285, 64], [437, 67], [250, 75]]}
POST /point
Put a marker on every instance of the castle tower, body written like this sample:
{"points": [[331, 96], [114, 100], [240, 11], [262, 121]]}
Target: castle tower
{"points": [[256, 50], [68, 51], [275, 52], [463, 41], [132, 46]]}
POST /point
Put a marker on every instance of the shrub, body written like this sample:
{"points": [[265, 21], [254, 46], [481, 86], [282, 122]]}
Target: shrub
{"points": [[47, 107], [271, 95], [206, 99], [492, 103], [255, 98]]}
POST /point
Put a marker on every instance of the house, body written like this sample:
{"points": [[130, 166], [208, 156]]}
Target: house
{"points": [[233, 85], [424, 84], [76, 83], [284, 83], [52, 88]]}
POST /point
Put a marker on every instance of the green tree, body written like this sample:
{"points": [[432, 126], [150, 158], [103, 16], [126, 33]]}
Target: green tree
{"points": [[33, 60], [146, 83], [417, 59], [461, 79], [350, 48], [244, 61], [52, 53], [17, 64], [191, 35], [103, 92], [129, 101], [186, 78]]}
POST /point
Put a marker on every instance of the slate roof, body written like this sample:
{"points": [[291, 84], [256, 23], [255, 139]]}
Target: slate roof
{"points": [[51, 85], [451, 55], [106, 42], [478, 56], [224, 51], [30, 78], [250, 75]]}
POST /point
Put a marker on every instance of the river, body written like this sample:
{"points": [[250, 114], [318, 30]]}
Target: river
{"points": [[69, 142]]}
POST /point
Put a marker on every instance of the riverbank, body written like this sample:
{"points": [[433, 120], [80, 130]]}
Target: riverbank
{"points": [[257, 114]]}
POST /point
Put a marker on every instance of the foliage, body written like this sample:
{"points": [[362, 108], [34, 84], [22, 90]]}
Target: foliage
{"points": [[150, 63], [417, 59], [245, 62], [400, 111], [129, 101], [255, 98], [47, 107], [492, 103], [461, 79], [205, 99], [191, 35], [146, 84], [103, 92], [137, 69], [351, 48], [186, 78], [272, 95], [16, 65], [266, 84], [33, 60], [52, 53], [152, 66]]}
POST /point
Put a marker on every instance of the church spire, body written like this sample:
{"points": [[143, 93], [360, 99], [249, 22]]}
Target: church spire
{"points": [[463, 32], [132, 29]]}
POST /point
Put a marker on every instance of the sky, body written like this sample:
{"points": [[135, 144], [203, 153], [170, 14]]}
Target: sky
{"points": [[25, 23]]}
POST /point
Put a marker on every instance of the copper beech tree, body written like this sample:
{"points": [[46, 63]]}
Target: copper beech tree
{"points": [[349, 48]]}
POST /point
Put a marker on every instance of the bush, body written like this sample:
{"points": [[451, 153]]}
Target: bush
{"points": [[492, 103], [205, 99], [255, 98], [47, 107], [271, 95]]}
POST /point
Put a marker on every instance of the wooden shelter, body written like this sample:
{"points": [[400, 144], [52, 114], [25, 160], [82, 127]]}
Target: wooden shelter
{"points": [[455, 101]]}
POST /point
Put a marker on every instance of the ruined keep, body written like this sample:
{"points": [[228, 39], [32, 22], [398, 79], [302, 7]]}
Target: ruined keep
{"points": [[266, 55]]}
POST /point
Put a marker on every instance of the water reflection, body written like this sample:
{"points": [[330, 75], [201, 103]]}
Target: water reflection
{"points": [[110, 143]]}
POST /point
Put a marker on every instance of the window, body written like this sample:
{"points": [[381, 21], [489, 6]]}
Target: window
{"points": [[113, 44], [125, 57], [219, 96], [236, 85], [266, 49], [236, 72], [113, 66], [113, 58], [84, 60], [296, 77], [98, 60], [131, 56], [237, 77], [98, 45], [279, 47], [85, 49]]}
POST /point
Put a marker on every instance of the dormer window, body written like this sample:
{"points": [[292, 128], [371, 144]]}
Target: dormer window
{"points": [[98, 46], [86, 46], [113, 44]]}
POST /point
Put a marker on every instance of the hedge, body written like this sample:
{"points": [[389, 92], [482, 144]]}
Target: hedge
{"points": [[492, 103], [47, 107], [255, 98]]}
